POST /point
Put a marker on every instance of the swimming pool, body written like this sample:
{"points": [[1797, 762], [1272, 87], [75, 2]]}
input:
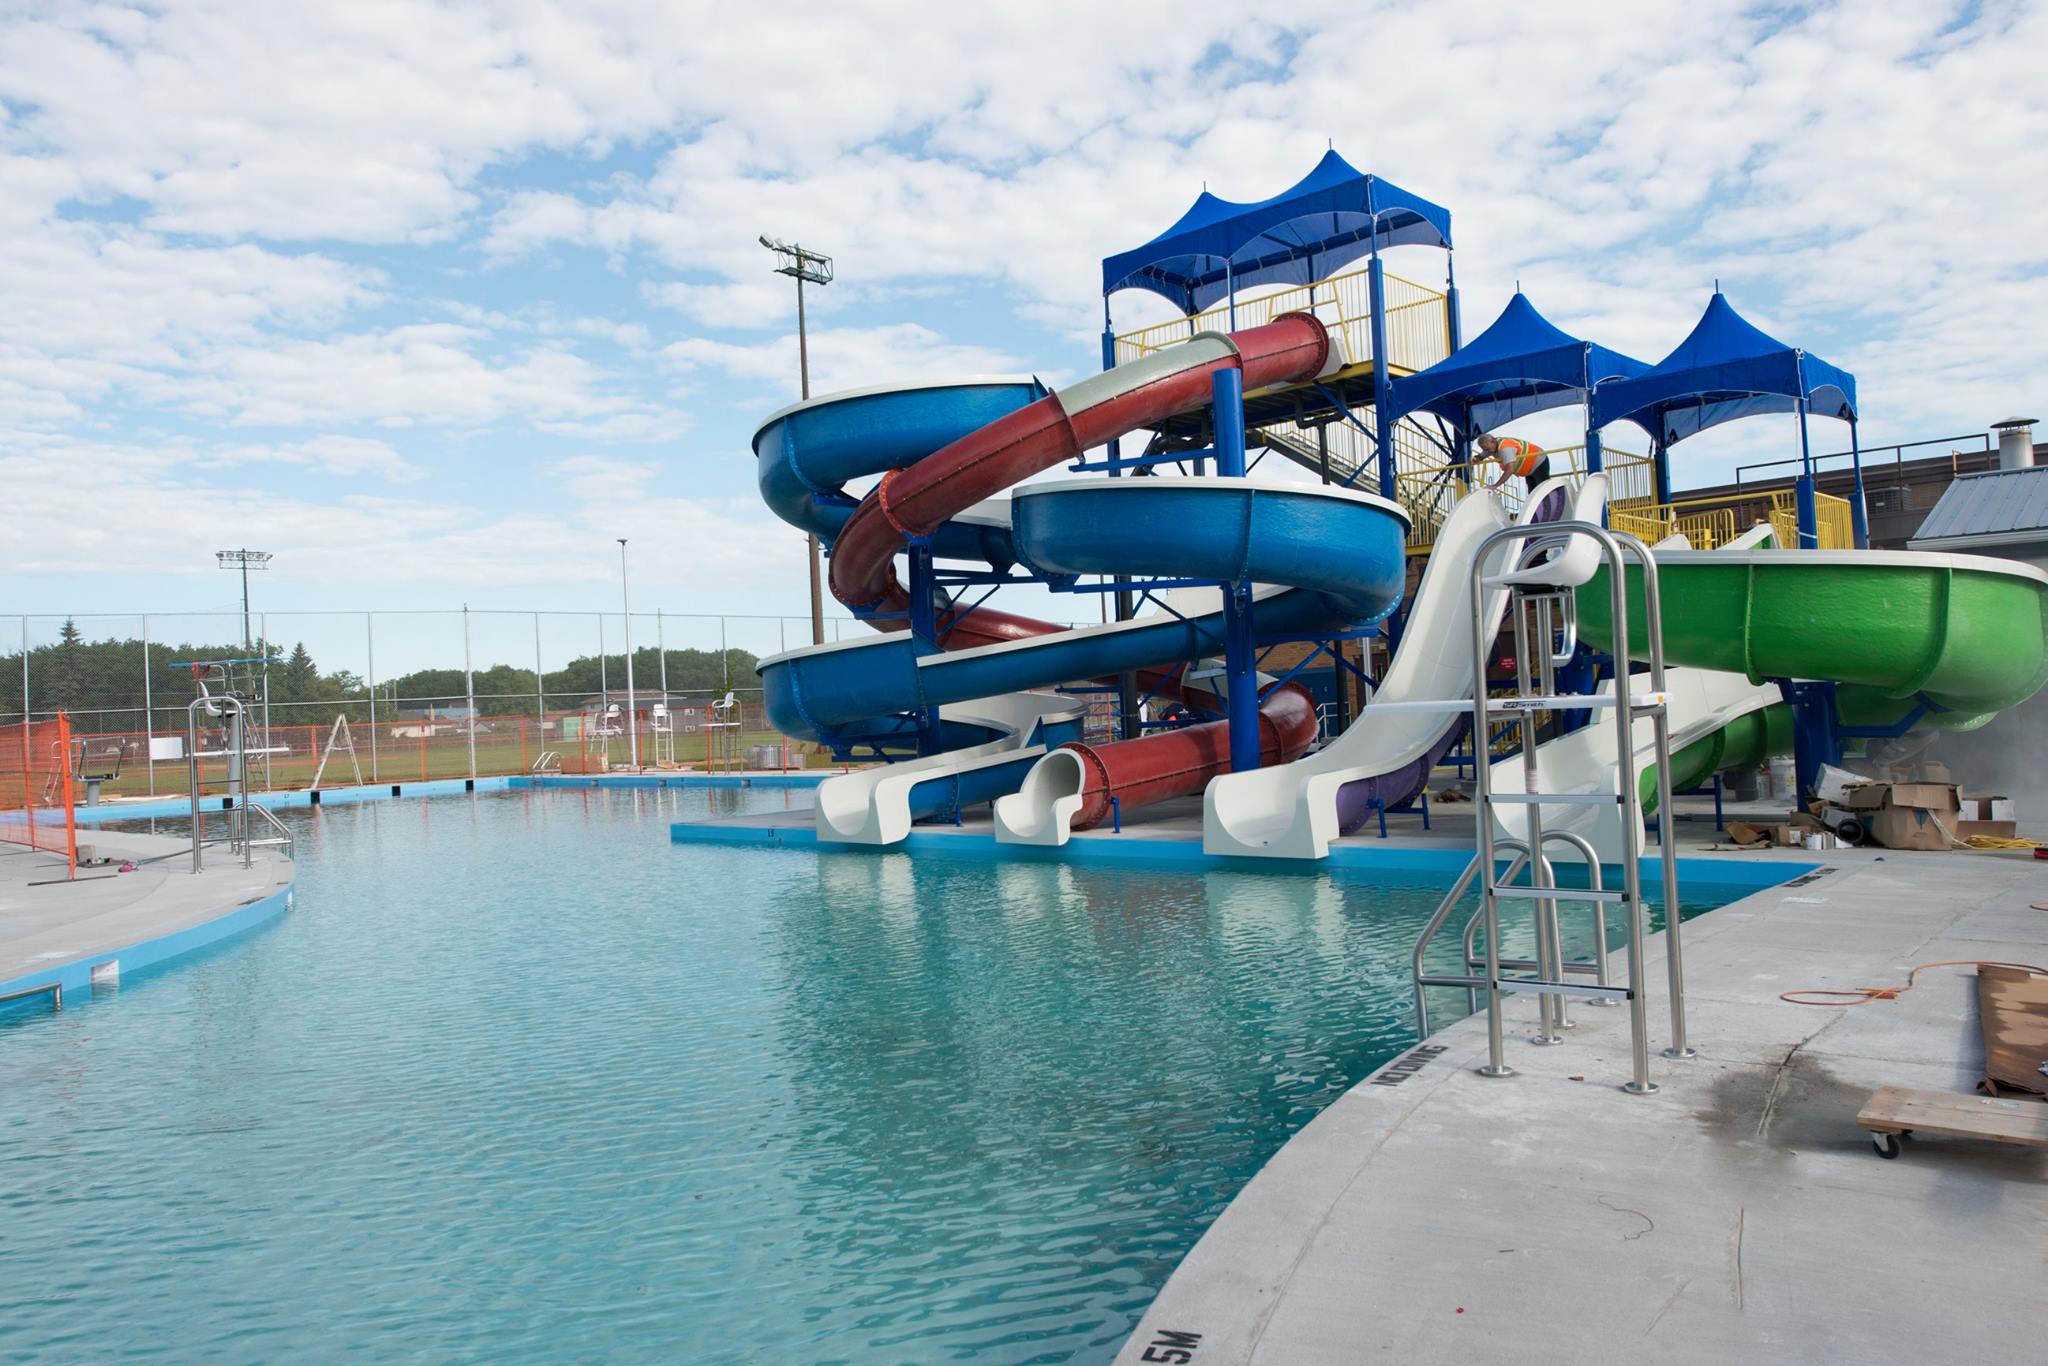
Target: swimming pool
{"points": [[519, 1079]]}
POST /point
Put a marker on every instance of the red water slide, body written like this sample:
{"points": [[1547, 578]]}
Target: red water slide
{"points": [[915, 500]]}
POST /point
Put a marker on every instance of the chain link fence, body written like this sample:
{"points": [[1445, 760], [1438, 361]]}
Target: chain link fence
{"points": [[412, 694]]}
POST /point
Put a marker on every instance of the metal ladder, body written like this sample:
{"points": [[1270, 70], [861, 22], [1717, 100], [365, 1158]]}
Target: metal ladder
{"points": [[1553, 608]]}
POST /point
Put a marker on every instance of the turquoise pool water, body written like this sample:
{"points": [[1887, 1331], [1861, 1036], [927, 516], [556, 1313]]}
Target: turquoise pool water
{"points": [[520, 1080]]}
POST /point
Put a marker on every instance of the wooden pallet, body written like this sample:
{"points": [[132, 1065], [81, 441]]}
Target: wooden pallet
{"points": [[1894, 1112]]}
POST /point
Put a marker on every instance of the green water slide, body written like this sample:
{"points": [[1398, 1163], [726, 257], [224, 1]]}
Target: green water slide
{"points": [[1744, 742], [1956, 638]]}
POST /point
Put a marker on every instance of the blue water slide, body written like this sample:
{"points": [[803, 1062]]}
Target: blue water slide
{"points": [[1323, 559]]}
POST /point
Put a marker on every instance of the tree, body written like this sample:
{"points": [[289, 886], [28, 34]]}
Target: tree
{"points": [[63, 676], [300, 677]]}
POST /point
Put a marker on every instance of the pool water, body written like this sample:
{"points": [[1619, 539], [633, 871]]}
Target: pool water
{"points": [[520, 1080]]}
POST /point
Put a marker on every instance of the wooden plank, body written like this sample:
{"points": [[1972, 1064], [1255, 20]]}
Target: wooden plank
{"points": [[1896, 1109], [2013, 1005]]}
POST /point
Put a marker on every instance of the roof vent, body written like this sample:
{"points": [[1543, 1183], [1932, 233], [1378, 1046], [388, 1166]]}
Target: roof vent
{"points": [[2015, 442]]}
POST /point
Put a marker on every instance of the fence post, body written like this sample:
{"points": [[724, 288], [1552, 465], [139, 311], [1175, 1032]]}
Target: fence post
{"points": [[469, 691], [522, 745], [423, 747], [263, 626], [540, 687], [148, 710], [370, 682]]}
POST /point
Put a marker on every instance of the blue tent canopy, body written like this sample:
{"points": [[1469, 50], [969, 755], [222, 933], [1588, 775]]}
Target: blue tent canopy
{"points": [[1521, 364], [1725, 368], [1335, 214]]}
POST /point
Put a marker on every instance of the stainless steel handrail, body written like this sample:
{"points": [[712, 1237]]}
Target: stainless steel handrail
{"points": [[286, 838], [1616, 549], [53, 990]]}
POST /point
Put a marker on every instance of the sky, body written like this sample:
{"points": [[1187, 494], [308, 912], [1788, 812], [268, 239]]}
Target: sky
{"points": [[436, 301]]}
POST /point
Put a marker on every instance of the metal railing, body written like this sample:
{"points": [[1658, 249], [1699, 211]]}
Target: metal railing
{"points": [[1972, 449], [1833, 520], [1418, 320], [53, 990], [1537, 693]]}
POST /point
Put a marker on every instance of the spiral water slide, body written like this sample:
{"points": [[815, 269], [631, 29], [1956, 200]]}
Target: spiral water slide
{"points": [[1320, 558]]}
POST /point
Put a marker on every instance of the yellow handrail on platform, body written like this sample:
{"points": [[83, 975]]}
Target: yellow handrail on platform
{"points": [[1833, 520], [1418, 320]]}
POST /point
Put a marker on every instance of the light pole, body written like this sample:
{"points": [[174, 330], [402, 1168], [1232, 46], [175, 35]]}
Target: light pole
{"points": [[632, 709], [245, 560], [801, 266]]}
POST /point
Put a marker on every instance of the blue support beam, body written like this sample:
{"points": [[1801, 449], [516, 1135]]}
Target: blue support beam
{"points": [[1803, 490], [1226, 395], [1859, 510], [924, 627], [1382, 381]]}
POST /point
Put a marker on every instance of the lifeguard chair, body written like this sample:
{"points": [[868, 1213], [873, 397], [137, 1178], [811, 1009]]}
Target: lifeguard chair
{"points": [[722, 734]]}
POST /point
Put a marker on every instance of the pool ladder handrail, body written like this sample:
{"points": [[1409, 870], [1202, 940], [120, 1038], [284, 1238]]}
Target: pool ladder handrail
{"points": [[1551, 598], [1549, 946]]}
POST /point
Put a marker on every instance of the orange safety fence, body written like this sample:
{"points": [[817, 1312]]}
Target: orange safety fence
{"points": [[35, 788]]}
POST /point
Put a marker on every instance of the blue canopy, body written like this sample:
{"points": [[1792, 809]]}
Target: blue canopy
{"points": [[1331, 217], [1521, 364], [1725, 368]]}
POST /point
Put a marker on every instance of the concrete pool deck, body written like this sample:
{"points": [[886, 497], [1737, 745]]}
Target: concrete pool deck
{"points": [[88, 933]]}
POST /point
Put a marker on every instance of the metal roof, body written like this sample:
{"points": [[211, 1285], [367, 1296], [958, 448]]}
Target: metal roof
{"points": [[1997, 507]]}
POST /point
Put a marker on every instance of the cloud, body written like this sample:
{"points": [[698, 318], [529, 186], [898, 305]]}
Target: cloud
{"points": [[844, 358], [343, 456]]}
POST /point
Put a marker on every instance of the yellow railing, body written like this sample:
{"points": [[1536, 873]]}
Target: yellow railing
{"points": [[1704, 527], [1418, 320], [1832, 520], [1428, 491]]}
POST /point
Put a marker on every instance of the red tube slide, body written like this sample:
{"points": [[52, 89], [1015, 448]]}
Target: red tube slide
{"points": [[916, 499]]}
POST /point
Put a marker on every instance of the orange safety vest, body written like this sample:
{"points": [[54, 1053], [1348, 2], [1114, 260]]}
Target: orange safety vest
{"points": [[1518, 457]]}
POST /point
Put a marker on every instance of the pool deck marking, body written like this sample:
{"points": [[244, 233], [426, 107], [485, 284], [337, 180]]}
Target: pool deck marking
{"points": [[66, 933], [1737, 1214]]}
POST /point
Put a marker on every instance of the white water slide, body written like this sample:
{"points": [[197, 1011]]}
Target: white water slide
{"points": [[873, 805], [1291, 811]]}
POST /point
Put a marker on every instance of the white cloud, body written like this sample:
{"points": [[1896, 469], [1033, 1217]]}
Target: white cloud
{"points": [[343, 456], [844, 358]]}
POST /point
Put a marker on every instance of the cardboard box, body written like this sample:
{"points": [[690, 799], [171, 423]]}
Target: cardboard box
{"points": [[1756, 835], [1908, 815], [1987, 809], [1831, 784]]}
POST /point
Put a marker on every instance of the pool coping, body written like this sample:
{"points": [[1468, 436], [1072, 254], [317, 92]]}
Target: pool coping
{"points": [[1185, 854], [128, 958], [163, 808]]}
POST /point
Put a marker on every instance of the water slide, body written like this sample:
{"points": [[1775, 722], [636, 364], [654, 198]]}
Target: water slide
{"points": [[1295, 810], [1322, 558]]}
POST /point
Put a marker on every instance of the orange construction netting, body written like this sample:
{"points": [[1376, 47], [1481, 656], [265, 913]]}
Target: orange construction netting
{"points": [[35, 788]]}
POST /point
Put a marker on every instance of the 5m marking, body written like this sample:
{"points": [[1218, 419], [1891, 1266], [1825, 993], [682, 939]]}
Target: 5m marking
{"points": [[1170, 1346]]}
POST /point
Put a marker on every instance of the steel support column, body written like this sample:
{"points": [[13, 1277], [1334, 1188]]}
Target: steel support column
{"points": [[1241, 679]]}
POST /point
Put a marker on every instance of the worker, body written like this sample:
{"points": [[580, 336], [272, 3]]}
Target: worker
{"points": [[1517, 459]]}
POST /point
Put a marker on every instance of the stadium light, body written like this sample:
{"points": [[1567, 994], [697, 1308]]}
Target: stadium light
{"points": [[813, 268], [245, 560]]}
